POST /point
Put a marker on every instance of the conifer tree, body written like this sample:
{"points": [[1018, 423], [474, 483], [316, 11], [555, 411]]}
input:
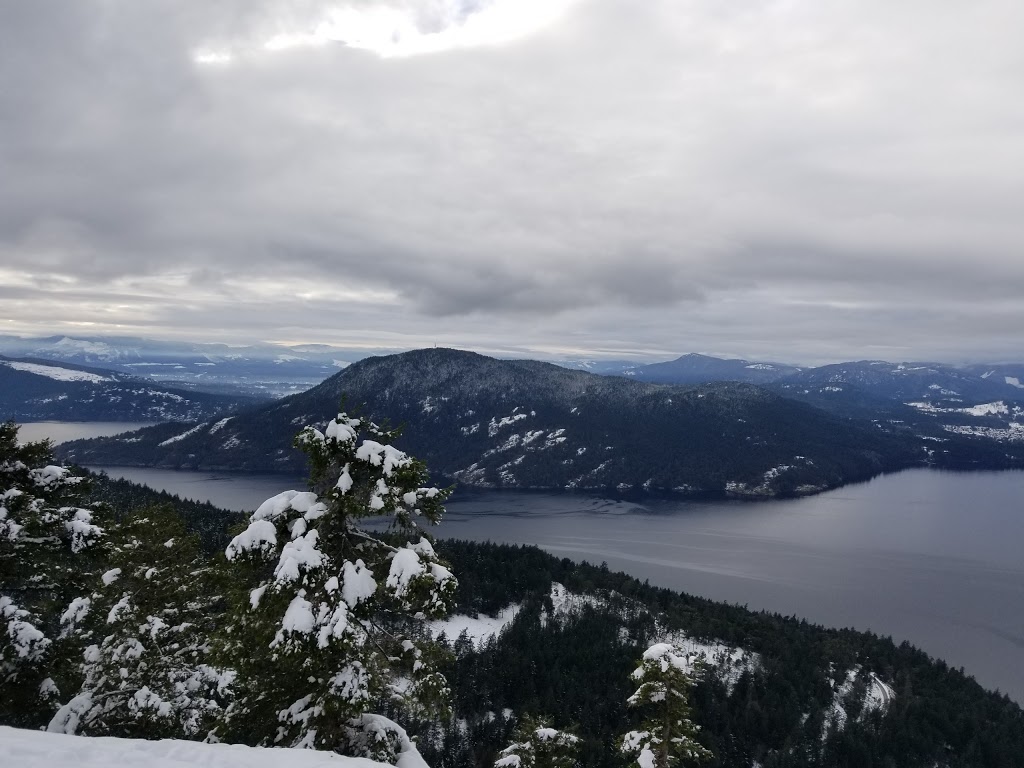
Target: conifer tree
{"points": [[48, 546], [539, 746], [667, 734], [325, 622], [143, 636]]}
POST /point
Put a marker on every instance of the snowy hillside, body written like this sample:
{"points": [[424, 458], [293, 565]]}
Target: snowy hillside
{"points": [[34, 749], [57, 373], [256, 369], [34, 390], [906, 381]]}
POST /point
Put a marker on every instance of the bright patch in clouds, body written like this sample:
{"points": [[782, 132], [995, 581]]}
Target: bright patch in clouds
{"points": [[212, 57], [398, 29]]}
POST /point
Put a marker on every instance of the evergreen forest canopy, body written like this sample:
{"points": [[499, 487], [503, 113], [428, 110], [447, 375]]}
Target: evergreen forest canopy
{"points": [[128, 613]]}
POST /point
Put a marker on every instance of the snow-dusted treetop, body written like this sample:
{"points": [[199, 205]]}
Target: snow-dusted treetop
{"points": [[46, 544], [327, 603], [667, 734], [538, 745]]}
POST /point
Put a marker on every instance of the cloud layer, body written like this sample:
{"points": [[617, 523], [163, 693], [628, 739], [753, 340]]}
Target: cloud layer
{"points": [[800, 180]]}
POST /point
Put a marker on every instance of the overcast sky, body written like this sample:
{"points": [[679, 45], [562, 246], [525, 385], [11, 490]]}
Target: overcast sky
{"points": [[804, 180]]}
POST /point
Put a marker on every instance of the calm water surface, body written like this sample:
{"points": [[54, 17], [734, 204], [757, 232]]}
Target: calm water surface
{"points": [[932, 557], [936, 558], [228, 490], [62, 431]]}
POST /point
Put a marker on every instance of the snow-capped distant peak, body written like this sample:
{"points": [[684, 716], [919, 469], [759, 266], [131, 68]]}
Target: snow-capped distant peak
{"points": [[83, 347], [56, 373]]}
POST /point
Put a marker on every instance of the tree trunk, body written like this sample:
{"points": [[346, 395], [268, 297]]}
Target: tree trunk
{"points": [[666, 736]]}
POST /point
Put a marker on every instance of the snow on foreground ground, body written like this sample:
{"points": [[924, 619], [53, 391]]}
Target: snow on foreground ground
{"points": [[39, 749]]}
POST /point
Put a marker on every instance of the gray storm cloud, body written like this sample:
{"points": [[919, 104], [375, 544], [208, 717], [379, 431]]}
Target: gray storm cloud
{"points": [[806, 180]]}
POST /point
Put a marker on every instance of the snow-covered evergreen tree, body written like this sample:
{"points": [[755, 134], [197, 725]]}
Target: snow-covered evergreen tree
{"points": [[325, 626], [143, 636], [539, 746], [48, 545], [667, 734]]}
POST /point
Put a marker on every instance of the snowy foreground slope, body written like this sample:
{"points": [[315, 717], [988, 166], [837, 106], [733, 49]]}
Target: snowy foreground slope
{"points": [[38, 749]]}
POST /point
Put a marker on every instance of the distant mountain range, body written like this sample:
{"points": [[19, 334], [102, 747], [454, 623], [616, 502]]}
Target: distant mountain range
{"points": [[276, 370], [915, 381], [43, 390], [259, 369], [527, 424], [935, 398], [698, 369], [875, 377]]}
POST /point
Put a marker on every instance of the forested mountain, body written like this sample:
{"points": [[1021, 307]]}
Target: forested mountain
{"points": [[933, 399], [41, 390], [526, 424], [936, 401]]}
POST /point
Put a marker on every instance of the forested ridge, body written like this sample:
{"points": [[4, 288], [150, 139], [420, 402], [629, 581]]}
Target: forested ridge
{"points": [[485, 422], [774, 714]]}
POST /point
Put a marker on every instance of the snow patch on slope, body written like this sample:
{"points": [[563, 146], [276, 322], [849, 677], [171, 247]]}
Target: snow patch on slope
{"points": [[220, 425], [182, 436], [478, 628], [877, 697], [725, 662], [998, 408], [565, 602], [987, 409], [58, 374], [495, 425], [481, 628]]}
